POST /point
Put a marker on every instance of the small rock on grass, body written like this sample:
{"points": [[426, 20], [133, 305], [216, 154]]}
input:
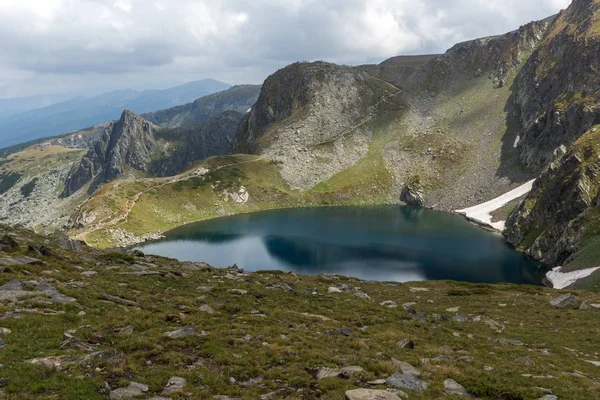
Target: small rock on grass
{"points": [[133, 390], [564, 300], [405, 344], [370, 394], [207, 309], [454, 388], [189, 330], [174, 385], [404, 381]]}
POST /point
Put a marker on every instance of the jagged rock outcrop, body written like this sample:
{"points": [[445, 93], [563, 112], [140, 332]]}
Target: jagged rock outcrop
{"points": [[557, 91], [238, 98], [495, 57], [562, 207], [210, 138], [126, 144]]}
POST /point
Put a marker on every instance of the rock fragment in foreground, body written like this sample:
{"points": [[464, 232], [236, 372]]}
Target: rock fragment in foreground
{"points": [[404, 381], [186, 331], [324, 373], [370, 394], [175, 384], [564, 300], [119, 300], [133, 390], [453, 388]]}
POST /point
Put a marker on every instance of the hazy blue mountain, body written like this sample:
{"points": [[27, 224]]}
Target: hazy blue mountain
{"points": [[17, 105], [82, 112]]}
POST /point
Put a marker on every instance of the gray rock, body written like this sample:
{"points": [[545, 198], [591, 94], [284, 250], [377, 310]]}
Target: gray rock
{"points": [[127, 331], [564, 300], [133, 390], [525, 361], [548, 397], [186, 331], [120, 300], [406, 368], [454, 388], [585, 305], [12, 261], [404, 381], [412, 195], [175, 384], [207, 309], [405, 344], [324, 373], [370, 394]]}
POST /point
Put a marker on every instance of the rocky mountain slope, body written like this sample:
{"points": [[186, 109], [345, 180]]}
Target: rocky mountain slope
{"points": [[84, 323], [556, 95], [559, 221], [238, 98]]}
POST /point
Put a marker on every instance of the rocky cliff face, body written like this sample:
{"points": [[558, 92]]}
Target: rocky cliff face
{"points": [[495, 57], [557, 96], [238, 98], [126, 144], [210, 138], [563, 205]]}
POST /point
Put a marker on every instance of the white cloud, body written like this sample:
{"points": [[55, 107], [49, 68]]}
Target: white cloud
{"points": [[96, 44]]}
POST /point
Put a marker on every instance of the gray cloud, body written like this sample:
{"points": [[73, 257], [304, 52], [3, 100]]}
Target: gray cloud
{"points": [[58, 45]]}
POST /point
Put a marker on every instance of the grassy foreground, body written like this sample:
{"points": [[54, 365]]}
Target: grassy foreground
{"points": [[270, 334]]}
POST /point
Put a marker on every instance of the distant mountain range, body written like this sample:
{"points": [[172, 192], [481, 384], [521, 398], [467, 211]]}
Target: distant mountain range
{"points": [[81, 112], [17, 105]]}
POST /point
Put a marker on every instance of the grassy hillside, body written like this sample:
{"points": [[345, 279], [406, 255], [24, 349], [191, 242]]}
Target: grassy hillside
{"points": [[272, 333]]}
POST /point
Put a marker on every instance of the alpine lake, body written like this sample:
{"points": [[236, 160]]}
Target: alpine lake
{"points": [[382, 243]]}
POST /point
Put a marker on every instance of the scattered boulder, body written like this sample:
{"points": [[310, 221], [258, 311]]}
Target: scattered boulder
{"points": [[405, 344], [8, 244], [127, 331], [548, 397], [133, 390], [10, 261], [564, 300], [174, 385], [207, 309], [119, 300], [412, 195], [406, 368], [370, 394], [346, 372], [453, 388], [404, 381], [525, 361], [585, 305], [186, 331]]}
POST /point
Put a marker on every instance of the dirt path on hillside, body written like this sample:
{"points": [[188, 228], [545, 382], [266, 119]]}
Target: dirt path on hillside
{"points": [[130, 203]]}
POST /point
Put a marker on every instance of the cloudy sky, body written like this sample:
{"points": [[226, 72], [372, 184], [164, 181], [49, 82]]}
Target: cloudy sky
{"points": [[98, 45]]}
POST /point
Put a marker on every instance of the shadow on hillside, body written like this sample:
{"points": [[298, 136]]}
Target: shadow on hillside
{"points": [[511, 166]]}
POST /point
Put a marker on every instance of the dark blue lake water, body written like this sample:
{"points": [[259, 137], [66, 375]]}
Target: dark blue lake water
{"points": [[385, 243]]}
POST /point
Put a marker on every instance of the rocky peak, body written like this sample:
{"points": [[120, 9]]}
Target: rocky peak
{"points": [[494, 56], [128, 142], [321, 94], [556, 94]]}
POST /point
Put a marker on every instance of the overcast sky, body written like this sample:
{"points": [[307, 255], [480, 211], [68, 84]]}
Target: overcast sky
{"points": [[97, 45]]}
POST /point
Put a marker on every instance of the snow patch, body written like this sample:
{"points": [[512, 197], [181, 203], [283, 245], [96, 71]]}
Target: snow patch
{"points": [[561, 280], [482, 212]]}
